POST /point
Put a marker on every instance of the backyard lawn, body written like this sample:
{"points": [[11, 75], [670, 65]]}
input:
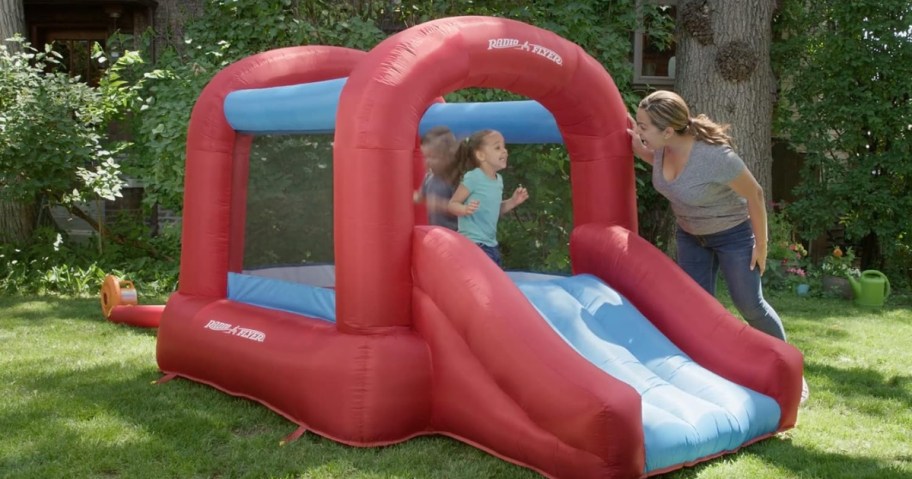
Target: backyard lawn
{"points": [[78, 400]]}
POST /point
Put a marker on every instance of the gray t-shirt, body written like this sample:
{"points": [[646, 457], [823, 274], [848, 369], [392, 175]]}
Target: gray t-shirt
{"points": [[700, 197], [443, 191]]}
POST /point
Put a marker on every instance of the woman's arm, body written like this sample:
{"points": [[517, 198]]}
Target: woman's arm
{"points": [[457, 205], [746, 186]]}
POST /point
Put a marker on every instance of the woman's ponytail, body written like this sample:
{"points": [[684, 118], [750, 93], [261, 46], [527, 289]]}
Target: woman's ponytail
{"points": [[667, 109]]}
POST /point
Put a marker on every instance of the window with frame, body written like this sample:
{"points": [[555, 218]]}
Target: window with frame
{"points": [[654, 43]]}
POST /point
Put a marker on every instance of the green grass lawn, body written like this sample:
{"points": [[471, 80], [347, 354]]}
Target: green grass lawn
{"points": [[77, 400]]}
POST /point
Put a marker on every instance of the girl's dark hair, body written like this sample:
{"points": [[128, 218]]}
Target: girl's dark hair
{"points": [[668, 109], [441, 140], [465, 153], [439, 136]]}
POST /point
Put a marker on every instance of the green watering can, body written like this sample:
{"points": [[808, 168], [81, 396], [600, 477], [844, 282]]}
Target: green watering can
{"points": [[871, 289]]}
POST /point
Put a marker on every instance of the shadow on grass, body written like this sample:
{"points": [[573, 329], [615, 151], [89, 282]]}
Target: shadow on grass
{"points": [[806, 463], [863, 383]]}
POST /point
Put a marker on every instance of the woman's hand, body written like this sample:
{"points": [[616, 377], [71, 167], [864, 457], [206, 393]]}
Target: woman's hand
{"points": [[758, 258], [639, 149]]}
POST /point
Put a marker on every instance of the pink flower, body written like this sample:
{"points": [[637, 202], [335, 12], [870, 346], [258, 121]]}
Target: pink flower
{"points": [[797, 272]]}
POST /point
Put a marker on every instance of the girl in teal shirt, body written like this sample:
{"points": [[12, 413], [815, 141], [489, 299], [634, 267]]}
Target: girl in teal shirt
{"points": [[478, 201]]}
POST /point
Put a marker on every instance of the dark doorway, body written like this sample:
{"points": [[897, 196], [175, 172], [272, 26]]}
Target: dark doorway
{"points": [[74, 27]]}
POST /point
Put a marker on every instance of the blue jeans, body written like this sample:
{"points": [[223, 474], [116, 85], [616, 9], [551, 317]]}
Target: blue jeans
{"points": [[701, 257], [493, 252]]}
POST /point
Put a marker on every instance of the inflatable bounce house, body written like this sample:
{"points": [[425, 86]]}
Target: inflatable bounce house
{"points": [[624, 369]]}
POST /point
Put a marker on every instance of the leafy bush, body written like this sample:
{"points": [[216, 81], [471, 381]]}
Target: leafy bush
{"points": [[53, 127], [786, 257], [53, 265], [899, 269], [839, 263]]}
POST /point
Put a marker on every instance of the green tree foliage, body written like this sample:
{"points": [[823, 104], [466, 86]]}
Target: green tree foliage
{"points": [[228, 31], [55, 147], [53, 127], [846, 75]]}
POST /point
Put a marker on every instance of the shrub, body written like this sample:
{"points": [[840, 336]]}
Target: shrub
{"points": [[53, 127], [839, 263], [52, 265]]}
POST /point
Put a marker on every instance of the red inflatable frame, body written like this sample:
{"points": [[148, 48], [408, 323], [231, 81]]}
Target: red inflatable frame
{"points": [[431, 337]]}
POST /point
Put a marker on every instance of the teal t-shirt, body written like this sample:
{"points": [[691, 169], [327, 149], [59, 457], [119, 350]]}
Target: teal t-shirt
{"points": [[481, 226]]}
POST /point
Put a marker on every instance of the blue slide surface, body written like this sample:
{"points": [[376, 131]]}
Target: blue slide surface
{"points": [[689, 412]]}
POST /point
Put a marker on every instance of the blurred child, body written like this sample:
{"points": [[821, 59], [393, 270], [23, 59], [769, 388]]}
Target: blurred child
{"points": [[438, 146], [478, 200]]}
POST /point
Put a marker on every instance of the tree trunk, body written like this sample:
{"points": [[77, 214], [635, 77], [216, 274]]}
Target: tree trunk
{"points": [[12, 19], [723, 70], [17, 219]]}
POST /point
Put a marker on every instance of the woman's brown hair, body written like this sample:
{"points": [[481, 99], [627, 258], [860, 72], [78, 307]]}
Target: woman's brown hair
{"points": [[667, 109]]}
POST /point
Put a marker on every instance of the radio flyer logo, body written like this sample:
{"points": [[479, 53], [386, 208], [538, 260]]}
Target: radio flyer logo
{"points": [[246, 333], [515, 44]]}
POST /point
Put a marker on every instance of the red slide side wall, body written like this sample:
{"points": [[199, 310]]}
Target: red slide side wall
{"points": [[691, 318], [504, 380]]}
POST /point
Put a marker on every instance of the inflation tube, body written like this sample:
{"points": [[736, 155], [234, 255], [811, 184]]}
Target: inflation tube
{"points": [[119, 304], [146, 316], [311, 108]]}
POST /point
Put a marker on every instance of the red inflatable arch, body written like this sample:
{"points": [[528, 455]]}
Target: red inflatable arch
{"points": [[385, 98], [431, 337]]}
